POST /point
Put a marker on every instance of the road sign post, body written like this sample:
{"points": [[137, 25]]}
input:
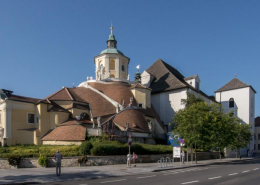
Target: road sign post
{"points": [[129, 144]]}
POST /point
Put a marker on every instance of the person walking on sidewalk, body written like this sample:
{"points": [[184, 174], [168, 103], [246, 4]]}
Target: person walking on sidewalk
{"points": [[134, 159], [128, 158], [58, 158]]}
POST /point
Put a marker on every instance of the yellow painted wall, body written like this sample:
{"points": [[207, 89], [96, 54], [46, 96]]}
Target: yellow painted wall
{"points": [[44, 119], [142, 96], [19, 121], [62, 142], [77, 112], [1, 118], [57, 118], [64, 104]]}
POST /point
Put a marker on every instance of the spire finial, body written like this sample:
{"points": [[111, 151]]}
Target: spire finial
{"points": [[111, 28]]}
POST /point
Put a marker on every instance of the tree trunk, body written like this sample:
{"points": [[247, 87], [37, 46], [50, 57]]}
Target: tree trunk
{"points": [[219, 154], [195, 154]]}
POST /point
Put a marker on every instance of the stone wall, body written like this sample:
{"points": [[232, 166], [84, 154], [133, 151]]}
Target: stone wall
{"points": [[101, 160]]}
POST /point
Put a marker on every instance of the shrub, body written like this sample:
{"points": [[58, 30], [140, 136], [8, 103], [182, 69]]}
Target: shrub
{"points": [[109, 149], [83, 159], [85, 148], [43, 161], [14, 160]]}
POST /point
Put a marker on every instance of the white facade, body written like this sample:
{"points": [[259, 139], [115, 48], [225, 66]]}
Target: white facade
{"points": [[244, 107], [168, 103]]}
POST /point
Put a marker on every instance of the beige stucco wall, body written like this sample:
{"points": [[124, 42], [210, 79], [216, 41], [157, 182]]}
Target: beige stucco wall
{"points": [[19, 121], [64, 104], [62, 142], [57, 118], [76, 112], [142, 96]]}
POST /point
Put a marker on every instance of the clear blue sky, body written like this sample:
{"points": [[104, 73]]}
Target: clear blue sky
{"points": [[45, 45]]}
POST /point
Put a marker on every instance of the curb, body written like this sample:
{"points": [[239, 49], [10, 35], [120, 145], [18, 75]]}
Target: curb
{"points": [[195, 165]]}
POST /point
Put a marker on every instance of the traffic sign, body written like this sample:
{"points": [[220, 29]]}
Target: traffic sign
{"points": [[182, 141]]}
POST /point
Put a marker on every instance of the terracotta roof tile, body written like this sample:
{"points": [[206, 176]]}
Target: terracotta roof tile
{"points": [[22, 98], [98, 104], [135, 118], [234, 84], [62, 94], [116, 91], [66, 133]]}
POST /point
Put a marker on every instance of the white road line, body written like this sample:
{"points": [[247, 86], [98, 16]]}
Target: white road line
{"points": [[256, 169], [232, 174], [113, 181], [245, 171], [146, 177], [215, 177], [189, 182]]}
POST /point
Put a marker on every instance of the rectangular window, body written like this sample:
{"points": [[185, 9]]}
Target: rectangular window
{"points": [[258, 146], [258, 136], [140, 105], [30, 118]]}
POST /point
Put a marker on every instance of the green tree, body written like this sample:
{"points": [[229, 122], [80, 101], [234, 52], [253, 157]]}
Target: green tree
{"points": [[193, 125], [242, 137], [222, 129]]}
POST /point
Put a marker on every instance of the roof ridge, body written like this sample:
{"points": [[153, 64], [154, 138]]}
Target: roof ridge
{"points": [[53, 94], [72, 98], [25, 96]]}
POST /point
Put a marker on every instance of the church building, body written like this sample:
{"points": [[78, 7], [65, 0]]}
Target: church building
{"points": [[109, 104]]}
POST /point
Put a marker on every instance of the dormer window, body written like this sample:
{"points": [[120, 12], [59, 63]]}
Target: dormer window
{"points": [[231, 103]]}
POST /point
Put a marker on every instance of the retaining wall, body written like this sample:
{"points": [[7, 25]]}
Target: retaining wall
{"points": [[101, 160]]}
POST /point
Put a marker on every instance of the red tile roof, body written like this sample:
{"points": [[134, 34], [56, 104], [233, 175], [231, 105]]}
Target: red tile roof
{"points": [[116, 90], [22, 98], [66, 133], [135, 118]]}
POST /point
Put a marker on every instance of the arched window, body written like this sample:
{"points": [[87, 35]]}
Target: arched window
{"points": [[231, 103], [112, 64]]}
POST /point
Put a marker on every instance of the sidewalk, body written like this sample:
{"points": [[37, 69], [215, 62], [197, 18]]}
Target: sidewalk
{"points": [[45, 175]]}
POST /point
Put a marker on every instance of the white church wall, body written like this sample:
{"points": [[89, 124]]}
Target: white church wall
{"points": [[168, 103], [241, 102]]}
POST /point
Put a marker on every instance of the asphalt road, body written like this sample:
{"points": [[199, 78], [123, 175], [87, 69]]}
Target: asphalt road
{"points": [[238, 173]]}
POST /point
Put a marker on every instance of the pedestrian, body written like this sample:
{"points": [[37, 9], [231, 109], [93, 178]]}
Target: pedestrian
{"points": [[58, 158], [128, 158], [134, 159]]}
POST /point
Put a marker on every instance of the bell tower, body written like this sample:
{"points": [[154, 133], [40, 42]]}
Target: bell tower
{"points": [[111, 63]]}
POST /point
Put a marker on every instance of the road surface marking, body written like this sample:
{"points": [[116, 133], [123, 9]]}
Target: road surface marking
{"points": [[256, 169], [245, 171], [113, 181], [189, 182], [146, 177], [215, 177], [232, 174]]}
